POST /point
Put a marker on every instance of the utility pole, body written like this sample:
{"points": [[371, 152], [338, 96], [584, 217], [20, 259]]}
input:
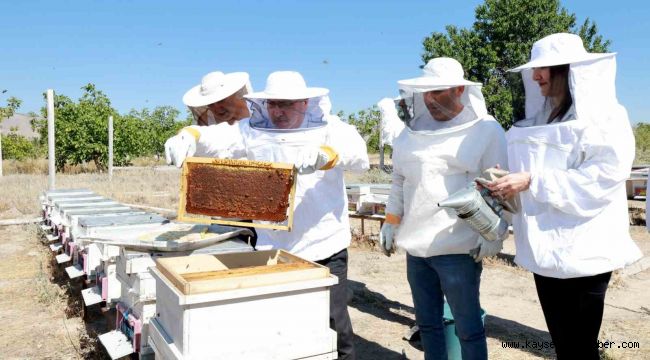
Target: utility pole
{"points": [[50, 138], [110, 148]]}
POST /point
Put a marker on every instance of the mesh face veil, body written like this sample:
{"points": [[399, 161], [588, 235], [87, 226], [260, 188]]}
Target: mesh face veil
{"points": [[315, 116]]}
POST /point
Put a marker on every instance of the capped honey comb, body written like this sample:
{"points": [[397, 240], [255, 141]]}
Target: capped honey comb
{"points": [[237, 189]]}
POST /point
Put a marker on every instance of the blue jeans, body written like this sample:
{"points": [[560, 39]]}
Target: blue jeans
{"points": [[458, 278]]}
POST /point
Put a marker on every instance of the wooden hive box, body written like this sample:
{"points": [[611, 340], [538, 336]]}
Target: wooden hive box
{"points": [[208, 273], [224, 191], [204, 304]]}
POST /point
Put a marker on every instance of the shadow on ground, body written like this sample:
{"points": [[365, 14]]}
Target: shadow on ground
{"points": [[378, 305], [528, 339]]}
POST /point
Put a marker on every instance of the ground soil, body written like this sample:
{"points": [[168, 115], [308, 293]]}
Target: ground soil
{"points": [[41, 319], [41, 315]]}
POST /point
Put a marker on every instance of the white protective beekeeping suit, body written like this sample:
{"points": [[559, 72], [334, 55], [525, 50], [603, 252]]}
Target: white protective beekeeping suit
{"points": [[433, 159], [321, 225], [391, 125], [574, 217]]}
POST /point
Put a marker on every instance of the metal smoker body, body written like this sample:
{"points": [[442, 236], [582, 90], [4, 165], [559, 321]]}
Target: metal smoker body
{"points": [[479, 210]]}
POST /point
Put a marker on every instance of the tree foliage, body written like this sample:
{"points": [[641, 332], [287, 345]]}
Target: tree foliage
{"points": [[157, 126], [15, 146], [13, 104], [500, 39], [82, 130]]}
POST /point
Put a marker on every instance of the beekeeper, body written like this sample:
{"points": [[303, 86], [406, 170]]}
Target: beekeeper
{"points": [[569, 160], [449, 140], [291, 123], [391, 124], [218, 99]]}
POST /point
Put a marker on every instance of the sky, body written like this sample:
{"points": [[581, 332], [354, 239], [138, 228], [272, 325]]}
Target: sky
{"points": [[145, 53]]}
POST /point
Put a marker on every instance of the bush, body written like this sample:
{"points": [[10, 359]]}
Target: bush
{"points": [[18, 147], [642, 137]]}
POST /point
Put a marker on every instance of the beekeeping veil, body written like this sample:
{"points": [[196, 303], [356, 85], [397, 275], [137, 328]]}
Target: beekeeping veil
{"points": [[438, 74], [284, 87], [591, 79]]}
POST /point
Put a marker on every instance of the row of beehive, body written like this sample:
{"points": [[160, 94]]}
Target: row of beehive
{"points": [[153, 315], [368, 199], [116, 277]]}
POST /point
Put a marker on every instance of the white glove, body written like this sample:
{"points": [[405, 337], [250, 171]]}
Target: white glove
{"points": [[181, 146], [317, 158], [486, 248], [386, 235]]}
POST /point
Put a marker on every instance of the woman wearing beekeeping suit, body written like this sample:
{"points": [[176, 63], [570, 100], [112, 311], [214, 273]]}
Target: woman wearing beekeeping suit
{"points": [[291, 122], [448, 141], [569, 161]]}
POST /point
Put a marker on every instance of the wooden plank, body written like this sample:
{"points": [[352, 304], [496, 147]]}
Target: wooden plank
{"points": [[292, 201], [260, 279], [234, 162], [246, 271], [172, 268], [208, 220], [187, 264]]}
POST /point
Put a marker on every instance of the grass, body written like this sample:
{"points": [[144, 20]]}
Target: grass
{"points": [[150, 184], [147, 186], [40, 166]]}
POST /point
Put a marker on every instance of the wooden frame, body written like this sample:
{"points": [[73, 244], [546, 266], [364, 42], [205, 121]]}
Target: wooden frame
{"points": [[204, 273], [184, 216]]}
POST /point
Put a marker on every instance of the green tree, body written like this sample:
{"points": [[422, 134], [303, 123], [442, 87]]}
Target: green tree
{"points": [[500, 39], [81, 128], [157, 126], [12, 105], [18, 147]]}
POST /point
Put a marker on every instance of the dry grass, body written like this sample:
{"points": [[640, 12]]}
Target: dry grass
{"points": [[153, 185], [157, 187], [372, 176], [40, 166]]}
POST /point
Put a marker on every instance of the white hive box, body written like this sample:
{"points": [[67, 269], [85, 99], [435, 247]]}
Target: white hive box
{"points": [[109, 226], [47, 197], [204, 304], [71, 216], [138, 287], [56, 216], [52, 201]]}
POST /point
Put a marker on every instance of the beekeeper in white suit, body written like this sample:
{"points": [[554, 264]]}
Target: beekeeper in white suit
{"points": [[391, 124], [449, 140], [291, 123], [570, 159], [218, 99]]}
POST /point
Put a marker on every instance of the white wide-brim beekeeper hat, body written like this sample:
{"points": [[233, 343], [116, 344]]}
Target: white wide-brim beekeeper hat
{"points": [[592, 76], [214, 87], [559, 49], [287, 85], [438, 74]]}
